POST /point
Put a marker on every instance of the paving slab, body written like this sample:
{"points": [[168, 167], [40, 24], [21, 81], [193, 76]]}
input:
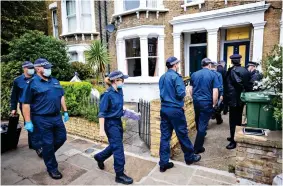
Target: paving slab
{"points": [[81, 144], [95, 177], [150, 181], [25, 182], [135, 167], [215, 176], [70, 173], [9, 177], [61, 158], [178, 175], [198, 180], [72, 152], [82, 161], [63, 149]]}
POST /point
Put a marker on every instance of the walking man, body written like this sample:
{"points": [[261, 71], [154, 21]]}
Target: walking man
{"points": [[18, 86], [254, 73], [237, 80], [221, 68], [42, 100], [172, 93], [204, 90]]}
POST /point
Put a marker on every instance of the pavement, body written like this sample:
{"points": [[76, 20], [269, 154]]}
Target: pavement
{"points": [[216, 155], [23, 167]]}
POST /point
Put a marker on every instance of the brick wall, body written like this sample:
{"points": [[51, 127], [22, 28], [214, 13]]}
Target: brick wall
{"points": [[259, 158], [155, 124]]}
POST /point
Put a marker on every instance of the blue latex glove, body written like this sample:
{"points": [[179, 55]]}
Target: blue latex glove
{"points": [[66, 117], [29, 126]]}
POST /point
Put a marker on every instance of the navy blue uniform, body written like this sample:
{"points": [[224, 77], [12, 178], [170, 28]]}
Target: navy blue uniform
{"points": [[172, 93], [203, 82], [44, 98], [217, 112], [18, 86], [111, 108]]}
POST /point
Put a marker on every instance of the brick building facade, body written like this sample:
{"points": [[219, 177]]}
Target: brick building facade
{"points": [[149, 31]]}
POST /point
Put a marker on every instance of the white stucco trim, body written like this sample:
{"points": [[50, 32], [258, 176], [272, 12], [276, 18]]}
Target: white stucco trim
{"points": [[142, 32], [193, 3], [53, 6], [80, 49]]}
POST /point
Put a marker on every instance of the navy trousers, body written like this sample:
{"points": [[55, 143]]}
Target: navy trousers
{"points": [[114, 131], [52, 133], [173, 118], [203, 112]]}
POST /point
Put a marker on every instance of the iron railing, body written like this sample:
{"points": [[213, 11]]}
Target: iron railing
{"points": [[144, 122]]}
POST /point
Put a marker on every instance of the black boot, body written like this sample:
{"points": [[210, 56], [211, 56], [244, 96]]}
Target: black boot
{"points": [[39, 152], [99, 163], [229, 139], [55, 175], [198, 147], [124, 179], [195, 158], [167, 166], [231, 145]]}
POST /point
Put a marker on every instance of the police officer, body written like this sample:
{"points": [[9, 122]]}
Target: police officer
{"points": [[204, 90], [110, 113], [254, 73], [18, 86], [172, 93], [218, 108], [237, 80], [42, 99], [221, 68]]}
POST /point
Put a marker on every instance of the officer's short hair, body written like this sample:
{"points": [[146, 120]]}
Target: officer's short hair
{"points": [[168, 65], [236, 61]]}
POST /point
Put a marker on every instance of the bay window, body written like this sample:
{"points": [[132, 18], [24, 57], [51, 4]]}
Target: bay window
{"points": [[152, 57], [86, 15], [71, 15], [131, 4]]}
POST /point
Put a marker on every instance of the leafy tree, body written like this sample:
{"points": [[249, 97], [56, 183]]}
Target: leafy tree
{"points": [[98, 57], [17, 17], [84, 70], [33, 45]]}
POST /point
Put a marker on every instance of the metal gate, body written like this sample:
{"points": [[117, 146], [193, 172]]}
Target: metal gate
{"points": [[144, 122]]}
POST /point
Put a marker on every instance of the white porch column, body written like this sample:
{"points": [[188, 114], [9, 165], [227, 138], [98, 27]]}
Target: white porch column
{"points": [[258, 41], [177, 47], [78, 15], [144, 55], [161, 60], [121, 60], [212, 44], [81, 56]]}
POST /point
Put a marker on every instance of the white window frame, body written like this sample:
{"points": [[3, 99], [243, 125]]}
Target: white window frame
{"points": [[79, 30], [53, 23], [147, 31], [193, 3]]}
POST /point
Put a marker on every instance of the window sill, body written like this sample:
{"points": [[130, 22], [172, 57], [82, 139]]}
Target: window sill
{"points": [[137, 10], [142, 80], [199, 2], [78, 33]]}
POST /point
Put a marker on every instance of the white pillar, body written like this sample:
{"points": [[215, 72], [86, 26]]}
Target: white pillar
{"points": [[187, 41], [161, 60], [121, 55], [177, 47], [212, 44], [64, 17], [78, 15], [258, 41], [81, 56], [144, 55]]}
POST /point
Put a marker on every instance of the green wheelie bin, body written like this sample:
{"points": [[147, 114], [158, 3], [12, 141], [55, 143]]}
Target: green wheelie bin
{"points": [[260, 110]]}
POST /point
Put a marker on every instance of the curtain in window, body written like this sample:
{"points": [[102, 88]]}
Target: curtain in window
{"points": [[71, 15]]}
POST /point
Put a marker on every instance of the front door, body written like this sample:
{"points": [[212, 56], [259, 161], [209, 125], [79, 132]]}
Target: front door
{"points": [[197, 53], [241, 48]]}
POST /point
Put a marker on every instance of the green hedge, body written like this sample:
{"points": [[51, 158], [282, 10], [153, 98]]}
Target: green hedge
{"points": [[77, 96]]}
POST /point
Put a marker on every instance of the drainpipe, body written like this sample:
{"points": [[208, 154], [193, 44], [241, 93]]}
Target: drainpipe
{"points": [[100, 24], [107, 39]]}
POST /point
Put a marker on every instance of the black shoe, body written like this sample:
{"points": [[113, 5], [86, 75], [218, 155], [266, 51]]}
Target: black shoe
{"points": [[39, 152], [200, 150], [229, 139], [99, 163], [167, 166], [124, 179], [231, 145], [55, 175], [194, 159], [219, 122]]}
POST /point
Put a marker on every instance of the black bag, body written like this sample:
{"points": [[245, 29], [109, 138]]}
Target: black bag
{"points": [[10, 133]]}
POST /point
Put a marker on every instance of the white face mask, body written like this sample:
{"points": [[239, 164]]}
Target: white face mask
{"points": [[47, 72], [30, 71]]}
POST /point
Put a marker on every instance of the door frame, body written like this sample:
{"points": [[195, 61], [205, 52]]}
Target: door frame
{"points": [[247, 43], [195, 46]]}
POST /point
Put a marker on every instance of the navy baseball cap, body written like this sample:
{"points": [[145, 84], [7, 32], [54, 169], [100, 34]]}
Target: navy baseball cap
{"points": [[205, 61], [117, 74], [251, 63], [41, 62], [172, 60], [235, 56], [214, 63], [27, 64]]}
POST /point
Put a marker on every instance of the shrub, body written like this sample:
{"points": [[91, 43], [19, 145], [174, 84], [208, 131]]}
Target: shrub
{"points": [[9, 71], [101, 89], [84, 70], [35, 44]]}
